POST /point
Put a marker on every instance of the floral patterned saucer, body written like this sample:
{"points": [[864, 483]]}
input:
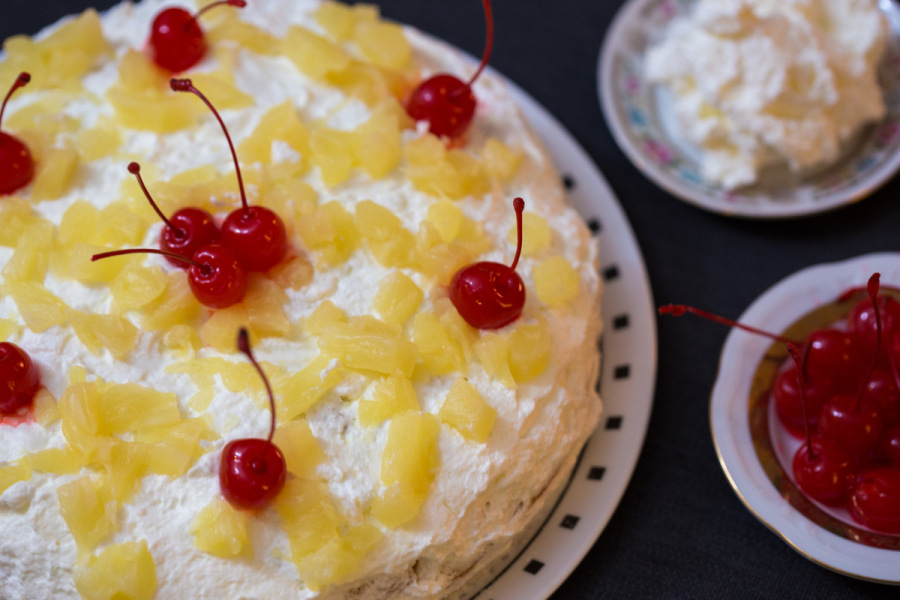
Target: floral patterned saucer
{"points": [[640, 118]]}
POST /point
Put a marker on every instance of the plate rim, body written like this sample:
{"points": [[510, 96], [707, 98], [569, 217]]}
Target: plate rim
{"points": [[730, 427], [612, 112]]}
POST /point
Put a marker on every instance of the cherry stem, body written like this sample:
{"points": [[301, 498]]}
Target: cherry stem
{"points": [[185, 85], [872, 291], [22, 80], [135, 169], [235, 3], [202, 266], [798, 364], [243, 344], [519, 205], [677, 310], [488, 45]]}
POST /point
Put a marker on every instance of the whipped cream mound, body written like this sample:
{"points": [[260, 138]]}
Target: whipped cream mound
{"points": [[486, 488], [759, 82]]}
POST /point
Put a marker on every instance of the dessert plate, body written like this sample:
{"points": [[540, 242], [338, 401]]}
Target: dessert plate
{"points": [[627, 379], [640, 118], [755, 451]]}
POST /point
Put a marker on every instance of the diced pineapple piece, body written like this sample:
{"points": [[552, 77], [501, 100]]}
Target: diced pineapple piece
{"points": [[309, 517], [425, 150], [299, 392], [136, 286], [338, 20], [121, 571], [466, 411], [98, 332], [301, 451], [29, 259], [125, 464], [291, 198], [13, 474], [221, 328], [129, 407], [397, 298], [369, 83], [279, 123], [499, 160], [330, 231], [221, 530], [338, 558], [182, 340], [45, 410], [265, 301], [121, 226], [38, 307], [369, 352], [456, 327], [323, 317], [172, 449], [78, 411], [7, 328], [17, 217], [175, 306], [377, 147], [23, 54], [441, 260], [455, 176], [246, 34], [492, 350], [79, 224], [82, 34], [312, 54], [529, 350], [408, 466], [89, 511], [386, 238], [390, 396], [374, 325], [151, 112], [536, 234], [384, 44], [74, 262], [293, 273], [53, 460], [446, 218], [331, 150], [100, 141], [440, 354], [65, 55], [555, 281], [54, 173]]}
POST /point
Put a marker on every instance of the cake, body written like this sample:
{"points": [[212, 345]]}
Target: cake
{"points": [[419, 449]]}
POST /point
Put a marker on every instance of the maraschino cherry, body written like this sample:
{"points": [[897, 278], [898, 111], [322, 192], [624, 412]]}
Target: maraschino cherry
{"points": [[187, 231], [19, 379], [875, 499], [176, 39], [489, 295], [16, 164], [444, 101], [256, 234], [253, 470], [214, 274]]}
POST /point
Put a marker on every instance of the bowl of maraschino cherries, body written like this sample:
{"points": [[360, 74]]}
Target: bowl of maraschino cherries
{"points": [[805, 412]]}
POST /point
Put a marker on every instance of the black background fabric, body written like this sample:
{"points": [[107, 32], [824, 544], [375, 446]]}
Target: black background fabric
{"points": [[680, 531]]}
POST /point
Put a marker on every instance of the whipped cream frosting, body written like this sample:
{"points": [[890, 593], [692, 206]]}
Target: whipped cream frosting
{"points": [[483, 494]]}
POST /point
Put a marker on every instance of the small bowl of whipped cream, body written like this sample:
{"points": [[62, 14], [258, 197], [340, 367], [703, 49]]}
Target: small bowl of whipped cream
{"points": [[756, 108]]}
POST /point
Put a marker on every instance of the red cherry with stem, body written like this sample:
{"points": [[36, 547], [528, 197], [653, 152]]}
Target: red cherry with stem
{"points": [[19, 378], [176, 39], [789, 400], [256, 234], [252, 471], [875, 499], [889, 445], [489, 295], [821, 469], [445, 102], [862, 318], [215, 275], [16, 164], [839, 355], [883, 391], [188, 230]]}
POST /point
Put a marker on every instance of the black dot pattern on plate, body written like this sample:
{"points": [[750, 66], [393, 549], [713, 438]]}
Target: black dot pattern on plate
{"points": [[614, 423], [621, 322], [611, 273], [569, 522], [594, 225], [622, 372], [568, 181], [596, 473], [534, 566]]}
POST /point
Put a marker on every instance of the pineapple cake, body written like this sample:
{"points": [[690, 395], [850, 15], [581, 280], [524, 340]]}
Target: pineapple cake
{"points": [[418, 448]]}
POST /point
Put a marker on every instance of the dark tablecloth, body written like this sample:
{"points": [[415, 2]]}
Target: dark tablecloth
{"points": [[680, 531]]}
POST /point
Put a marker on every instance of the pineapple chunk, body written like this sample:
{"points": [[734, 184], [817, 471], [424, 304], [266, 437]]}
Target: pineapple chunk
{"points": [[300, 448], [425, 150], [397, 298], [294, 273], [182, 340], [453, 175], [439, 352], [265, 301], [100, 141], [121, 226], [492, 350], [53, 460], [38, 307], [13, 474], [536, 234], [279, 123], [331, 231], [331, 150], [221, 530], [369, 352], [338, 20], [79, 224], [384, 44], [74, 262], [390, 396], [89, 511], [323, 317], [499, 160], [247, 35], [55, 172], [78, 412], [309, 517], [98, 332], [17, 217], [446, 218], [29, 259], [130, 407], [120, 572], [300, 391], [386, 238], [377, 148], [312, 54], [408, 466], [338, 558], [45, 410], [555, 281], [175, 306], [221, 328], [466, 411], [136, 286], [529, 350]]}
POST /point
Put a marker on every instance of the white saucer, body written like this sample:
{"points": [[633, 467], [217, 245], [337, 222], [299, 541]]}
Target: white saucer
{"points": [[747, 443], [640, 120]]}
